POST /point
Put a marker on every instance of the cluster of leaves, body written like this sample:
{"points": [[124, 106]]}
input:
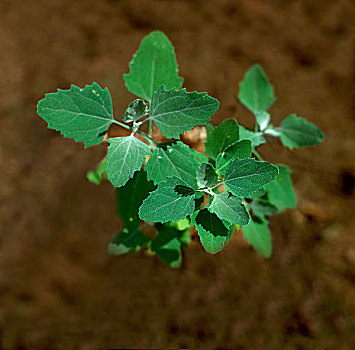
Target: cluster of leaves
{"points": [[178, 188]]}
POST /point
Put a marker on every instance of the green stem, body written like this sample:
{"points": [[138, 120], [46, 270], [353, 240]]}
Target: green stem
{"points": [[209, 192], [209, 189], [121, 124], [258, 155], [146, 137], [219, 184]]}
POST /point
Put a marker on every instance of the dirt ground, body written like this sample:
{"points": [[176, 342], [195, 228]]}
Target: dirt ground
{"points": [[58, 287]]}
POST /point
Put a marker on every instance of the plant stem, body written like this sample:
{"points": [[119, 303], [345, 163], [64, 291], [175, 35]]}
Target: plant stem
{"points": [[209, 192], [219, 184], [146, 137], [258, 155], [121, 124]]}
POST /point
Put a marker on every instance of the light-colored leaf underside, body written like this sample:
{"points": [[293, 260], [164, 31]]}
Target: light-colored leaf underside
{"points": [[125, 156], [229, 208]]}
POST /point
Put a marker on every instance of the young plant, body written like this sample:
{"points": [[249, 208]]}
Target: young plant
{"points": [[178, 188]]}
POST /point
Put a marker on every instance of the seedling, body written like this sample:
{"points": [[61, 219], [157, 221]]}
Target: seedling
{"points": [[227, 187]]}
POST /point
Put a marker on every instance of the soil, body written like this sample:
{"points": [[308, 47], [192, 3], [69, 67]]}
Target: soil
{"points": [[59, 289]]}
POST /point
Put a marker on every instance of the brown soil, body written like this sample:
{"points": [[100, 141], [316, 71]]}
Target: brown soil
{"points": [[58, 287]]}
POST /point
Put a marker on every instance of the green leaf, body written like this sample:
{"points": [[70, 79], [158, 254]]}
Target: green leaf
{"points": [[280, 191], [206, 176], [153, 65], [167, 245], [262, 207], [131, 196], [173, 159], [298, 132], [127, 241], [241, 149], [210, 128], [256, 138], [221, 137], [172, 200], [83, 114], [230, 208], [97, 175], [170, 253], [183, 224], [214, 233], [136, 110], [263, 119], [255, 92], [258, 235], [259, 194], [176, 111], [245, 176], [185, 238], [125, 156]]}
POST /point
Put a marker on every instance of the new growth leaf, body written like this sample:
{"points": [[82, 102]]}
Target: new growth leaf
{"points": [[152, 66]]}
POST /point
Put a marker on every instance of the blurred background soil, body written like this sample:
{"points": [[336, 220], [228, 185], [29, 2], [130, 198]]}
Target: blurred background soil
{"points": [[59, 289]]}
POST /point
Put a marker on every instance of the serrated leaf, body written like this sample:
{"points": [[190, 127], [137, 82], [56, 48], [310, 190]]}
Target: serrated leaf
{"points": [[206, 175], [241, 150], [153, 65], [280, 191], [125, 156], [256, 138], [298, 132], [176, 111], [262, 207], [221, 137], [213, 232], [127, 241], [171, 201], [263, 119], [83, 114], [167, 245], [255, 92], [245, 176], [136, 110], [131, 196], [174, 159], [230, 208], [258, 235], [97, 175]]}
